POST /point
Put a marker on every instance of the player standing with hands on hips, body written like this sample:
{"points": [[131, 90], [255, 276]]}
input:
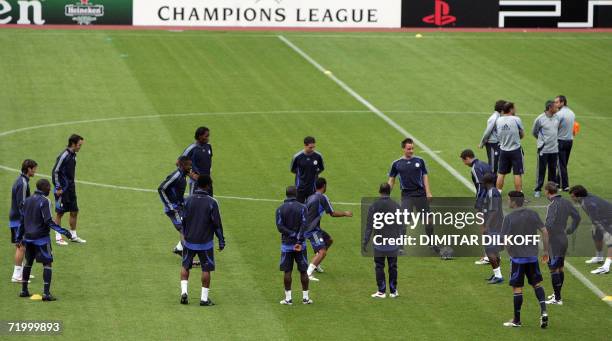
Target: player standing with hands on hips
{"points": [[291, 223], [201, 222]]}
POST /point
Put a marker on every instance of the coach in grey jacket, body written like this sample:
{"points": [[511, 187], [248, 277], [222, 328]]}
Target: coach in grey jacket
{"points": [[545, 129]]}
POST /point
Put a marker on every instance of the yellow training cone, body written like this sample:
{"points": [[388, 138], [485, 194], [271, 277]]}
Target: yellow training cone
{"points": [[36, 297]]}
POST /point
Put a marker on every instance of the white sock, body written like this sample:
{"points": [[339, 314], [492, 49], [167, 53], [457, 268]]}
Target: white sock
{"points": [[58, 236], [74, 234], [179, 246], [17, 271], [607, 263], [184, 284], [599, 254], [497, 272], [305, 294], [287, 295], [311, 269], [204, 294], [485, 258]]}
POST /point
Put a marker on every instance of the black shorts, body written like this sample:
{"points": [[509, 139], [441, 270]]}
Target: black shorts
{"points": [[300, 258], [511, 161], [67, 202], [320, 239], [13, 235], [42, 253], [556, 262], [303, 194], [519, 271], [206, 257]]}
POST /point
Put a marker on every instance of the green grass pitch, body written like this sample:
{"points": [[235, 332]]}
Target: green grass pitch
{"points": [[260, 99]]}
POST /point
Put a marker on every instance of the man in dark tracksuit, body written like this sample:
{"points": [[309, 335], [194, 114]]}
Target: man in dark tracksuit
{"points": [[558, 213], [34, 229], [306, 164], [384, 252], [291, 223], [600, 213], [479, 170], [201, 222], [19, 193], [200, 153], [171, 192], [64, 172], [567, 118]]}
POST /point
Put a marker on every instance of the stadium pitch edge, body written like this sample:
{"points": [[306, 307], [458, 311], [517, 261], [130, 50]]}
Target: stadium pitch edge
{"points": [[305, 29]]}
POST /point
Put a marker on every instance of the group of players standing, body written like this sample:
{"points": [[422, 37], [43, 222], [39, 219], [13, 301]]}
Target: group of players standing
{"points": [[198, 220], [554, 130], [31, 219]]}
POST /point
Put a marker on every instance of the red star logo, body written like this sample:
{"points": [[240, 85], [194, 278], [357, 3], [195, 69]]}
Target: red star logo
{"points": [[84, 2]]}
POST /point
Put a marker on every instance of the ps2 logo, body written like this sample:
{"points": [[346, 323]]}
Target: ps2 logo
{"points": [[554, 11]]}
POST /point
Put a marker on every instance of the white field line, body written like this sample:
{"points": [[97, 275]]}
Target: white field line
{"points": [[379, 113], [140, 117], [149, 190], [401, 130]]}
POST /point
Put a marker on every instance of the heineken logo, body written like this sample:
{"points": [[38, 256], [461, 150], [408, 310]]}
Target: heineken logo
{"points": [[84, 12]]}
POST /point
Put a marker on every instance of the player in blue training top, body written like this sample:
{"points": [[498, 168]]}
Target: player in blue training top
{"points": [[291, 223], [524, 258], [64, 172], [557, 215], [200, 153], [201, 222], [479, 170], [306, 164], [19, 193], [318, 204], [600, 213], [414, 183], [171, 192], [34, 229]]}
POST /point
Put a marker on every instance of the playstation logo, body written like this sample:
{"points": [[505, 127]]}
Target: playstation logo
{"points": [[441, 15]]}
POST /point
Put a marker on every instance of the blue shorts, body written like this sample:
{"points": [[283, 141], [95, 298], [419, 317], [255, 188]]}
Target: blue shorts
{"points": [[206, 257], [289, 257], [320, 239], [42, 253], [519, 271], [511, 161], [556, 262]]}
